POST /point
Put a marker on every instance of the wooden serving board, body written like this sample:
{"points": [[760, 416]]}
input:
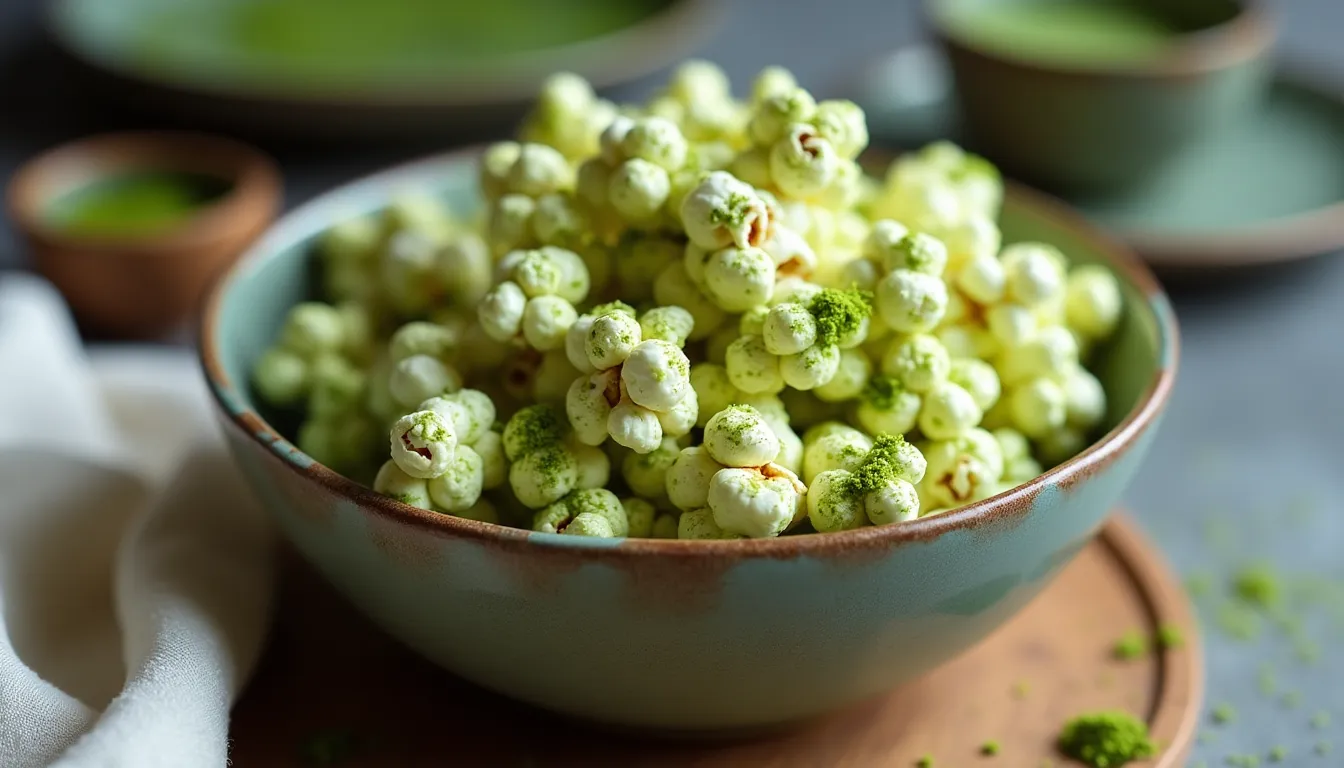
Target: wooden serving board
{"points": [[333, 690]]}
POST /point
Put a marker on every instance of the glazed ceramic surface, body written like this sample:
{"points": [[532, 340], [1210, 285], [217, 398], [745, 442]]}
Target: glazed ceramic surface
{"points": [[405, 91], [1202, 210], [686, 636], [1077, 127]]}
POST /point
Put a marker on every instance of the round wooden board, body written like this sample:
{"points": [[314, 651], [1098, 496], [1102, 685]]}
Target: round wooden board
{"points": [[333, 690]]}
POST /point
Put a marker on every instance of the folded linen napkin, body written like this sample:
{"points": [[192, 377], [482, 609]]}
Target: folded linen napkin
{"points": [[136, 569]]}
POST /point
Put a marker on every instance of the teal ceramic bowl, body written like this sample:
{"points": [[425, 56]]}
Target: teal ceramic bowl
{"points": [[1093, 119], [687, 636]]}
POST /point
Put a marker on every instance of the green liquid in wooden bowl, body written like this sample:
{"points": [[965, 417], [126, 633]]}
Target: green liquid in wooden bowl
{"points": [[134, 204]]}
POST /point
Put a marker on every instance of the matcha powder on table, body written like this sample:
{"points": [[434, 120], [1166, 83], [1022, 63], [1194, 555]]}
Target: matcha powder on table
{"points": [[1106, 739]]}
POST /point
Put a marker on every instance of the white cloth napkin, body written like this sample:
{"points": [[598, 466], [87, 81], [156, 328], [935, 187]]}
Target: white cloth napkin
{"points": [[135, 567]]}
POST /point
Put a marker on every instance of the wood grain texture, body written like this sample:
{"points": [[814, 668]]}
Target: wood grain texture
{"points": [[333, 690]]}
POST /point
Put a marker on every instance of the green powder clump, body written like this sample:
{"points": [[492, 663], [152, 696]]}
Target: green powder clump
{"points": [[1130, 647], [1278, 754], [533, 428], [878, 468], [1258, 586], [924, 762], [990, 748], [1224, 714], [1320, 720], [839, 313], [1106, 739]]}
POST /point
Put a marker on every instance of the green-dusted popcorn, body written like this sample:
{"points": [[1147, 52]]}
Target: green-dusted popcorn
{"points": [[1084, 399], [420, 377], [757, 502], [947, 411], [961, 470], [910, 301], [1033, 272], [772, 81], [640, 389], [850, 378], [639, 262], [739, 436], [640, 516], [1011, 324], [737, 279], [1038, 407], [688, 478], [843, 124], [699, 524], [646, 474], [917, 360], [423, 444], [878, 489], [313, 328], [774, 114], [460, 485], [978, 378], [638, 190], [281, 377], [836, 446], [1093, 303], [674, 287], [1052, 352], [670, 324], [982, 278], [585, 507], [636, 271], [422, 338], [802, 163], [886, 406], [723, 211], [394, 482]]}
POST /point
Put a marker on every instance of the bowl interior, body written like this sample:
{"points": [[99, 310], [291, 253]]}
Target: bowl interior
{"points": [[438, 49], [1081, 31], [251, 306]]}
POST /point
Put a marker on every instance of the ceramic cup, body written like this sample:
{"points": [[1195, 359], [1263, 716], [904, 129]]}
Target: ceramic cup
{"points": [[1079, 125], [143, 285], [687, 636]]}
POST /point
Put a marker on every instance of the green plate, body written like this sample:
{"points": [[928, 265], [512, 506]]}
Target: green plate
{"points": [[1269, 189], [364, 67]]}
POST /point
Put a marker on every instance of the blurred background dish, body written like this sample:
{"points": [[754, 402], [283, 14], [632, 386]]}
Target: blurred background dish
{"points": [[1096, 95], [1268, 188], [350, 68], [132, 227]]}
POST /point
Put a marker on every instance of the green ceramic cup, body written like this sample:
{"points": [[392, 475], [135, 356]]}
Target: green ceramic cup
{"points": [[1095, 101], [686, 636]]}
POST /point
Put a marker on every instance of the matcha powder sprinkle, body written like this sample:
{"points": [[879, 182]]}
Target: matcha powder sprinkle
{"points": [[1106, 739], [839, 313]]}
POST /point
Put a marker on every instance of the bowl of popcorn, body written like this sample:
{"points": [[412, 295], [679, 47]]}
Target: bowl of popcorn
{"points": [[689, 421]]}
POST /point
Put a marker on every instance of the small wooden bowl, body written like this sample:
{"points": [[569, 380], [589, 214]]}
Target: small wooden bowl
{"points": [[143, 285]]}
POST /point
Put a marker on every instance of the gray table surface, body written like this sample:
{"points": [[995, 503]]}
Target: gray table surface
{"points": [[1250, 460]]}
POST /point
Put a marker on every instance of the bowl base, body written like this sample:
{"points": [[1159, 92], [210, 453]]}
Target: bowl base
{"points": [[333, 689]]}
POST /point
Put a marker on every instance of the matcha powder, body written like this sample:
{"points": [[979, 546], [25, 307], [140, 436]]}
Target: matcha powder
{"points": [[1106, 739]]}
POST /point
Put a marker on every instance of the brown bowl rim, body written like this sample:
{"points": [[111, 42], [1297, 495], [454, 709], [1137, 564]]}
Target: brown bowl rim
{"points": [[254, 178], [1007, 507], [1247, 36]]}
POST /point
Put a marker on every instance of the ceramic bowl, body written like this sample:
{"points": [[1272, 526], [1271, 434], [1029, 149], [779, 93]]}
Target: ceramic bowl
{"points": [[1096, 127], [143, 286], [688, 636]]}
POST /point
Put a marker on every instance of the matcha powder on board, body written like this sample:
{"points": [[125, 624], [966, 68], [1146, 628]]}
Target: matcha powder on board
{"points": [[1106, 739]]}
